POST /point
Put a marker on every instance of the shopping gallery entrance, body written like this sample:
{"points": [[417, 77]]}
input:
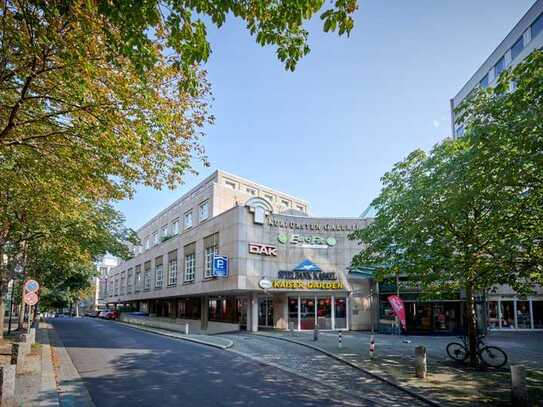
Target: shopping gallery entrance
{"points": [[303, 311]]}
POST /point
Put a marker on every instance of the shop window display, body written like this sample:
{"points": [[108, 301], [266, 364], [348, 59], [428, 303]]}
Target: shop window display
{"points": [[508, 316], [293, 312], [523, 315], [307, 313], [492, 317], [324, 313]]}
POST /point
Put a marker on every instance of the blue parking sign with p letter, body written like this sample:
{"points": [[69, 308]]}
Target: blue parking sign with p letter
{"points": [[220, 266]]}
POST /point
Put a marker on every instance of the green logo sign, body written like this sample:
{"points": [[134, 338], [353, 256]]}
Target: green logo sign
{"points": [[309, 240]]}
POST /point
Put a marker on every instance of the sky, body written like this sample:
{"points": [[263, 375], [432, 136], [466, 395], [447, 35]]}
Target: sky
{"points": [[353, 107]]}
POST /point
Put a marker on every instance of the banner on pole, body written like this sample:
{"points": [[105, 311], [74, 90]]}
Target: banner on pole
{"points": [[399, 310]]}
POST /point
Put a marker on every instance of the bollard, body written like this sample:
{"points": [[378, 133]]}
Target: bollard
{"points": [[420, 362], [339, 340], [519, 392], [372, 346], [7, 385], [186, 329], [17, 356], [316, 333], [32, 335]]}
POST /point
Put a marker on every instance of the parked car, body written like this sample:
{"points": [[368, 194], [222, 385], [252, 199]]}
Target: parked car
{"points": [[113, 314], [102, 314]]}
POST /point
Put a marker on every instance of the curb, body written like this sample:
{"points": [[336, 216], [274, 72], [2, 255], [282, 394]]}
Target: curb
{"points": [[48, 386], [341, 359], [178, 336]]}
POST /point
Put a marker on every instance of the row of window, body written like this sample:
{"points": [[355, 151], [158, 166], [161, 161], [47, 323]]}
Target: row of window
{"points": [[134, 280], [252, 191], [515, 51], [174, 228]]}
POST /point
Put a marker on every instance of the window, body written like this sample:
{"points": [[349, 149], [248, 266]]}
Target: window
{"points": [[123, 283], [460, 131], [300, 208], [484, 82], [251, 191], [164, 230], [147, 243], [172, 268], [188, 219], [230, 184], [499, 67], [116, 286], [129, 281], [159, 275], [155, 238], [537, 26], [268, 197], [175, 227], [211, 248], [190, 262], [147, 276], [137, 284], [517, 48], [285, 202], [204, 210]]}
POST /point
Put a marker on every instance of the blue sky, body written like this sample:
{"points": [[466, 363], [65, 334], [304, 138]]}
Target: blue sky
{"points": [[354, 106]]}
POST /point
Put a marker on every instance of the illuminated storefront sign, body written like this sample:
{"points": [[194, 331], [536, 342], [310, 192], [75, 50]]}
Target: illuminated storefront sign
{"points": [[307, 276], [307, 240], [264, 249], [307, 285]]}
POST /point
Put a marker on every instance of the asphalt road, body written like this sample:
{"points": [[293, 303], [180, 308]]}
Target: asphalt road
{"points": [[124, 366]]}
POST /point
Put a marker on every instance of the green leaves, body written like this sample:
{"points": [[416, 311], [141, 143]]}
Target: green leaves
{"points": [[470, 213]]}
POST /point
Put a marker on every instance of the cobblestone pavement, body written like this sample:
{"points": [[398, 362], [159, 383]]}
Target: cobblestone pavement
{"points": [[447, 382], [322, 368]]}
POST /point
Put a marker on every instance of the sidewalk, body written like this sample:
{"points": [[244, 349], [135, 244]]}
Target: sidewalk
{"points": [[447, 382], [35, 385]]}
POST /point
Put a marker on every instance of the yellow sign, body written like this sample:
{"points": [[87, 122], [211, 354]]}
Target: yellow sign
{"points": [[307, 285]]}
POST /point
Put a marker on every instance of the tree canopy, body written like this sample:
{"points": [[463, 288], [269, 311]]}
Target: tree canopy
{"points": [[469, 215]]}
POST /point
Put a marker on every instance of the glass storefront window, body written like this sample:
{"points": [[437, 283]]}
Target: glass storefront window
{"points": [[537, 308], [324, 313], [523, 315], [492, 317], [508, 316], [293, 312], [340, 313], [307, 313]]}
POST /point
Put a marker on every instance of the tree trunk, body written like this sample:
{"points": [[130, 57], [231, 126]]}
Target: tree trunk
{"points": [[471, 325], [21, 321]]}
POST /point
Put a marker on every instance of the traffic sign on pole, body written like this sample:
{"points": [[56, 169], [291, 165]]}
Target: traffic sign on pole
{"points": [[31, 286], [31, 299]]}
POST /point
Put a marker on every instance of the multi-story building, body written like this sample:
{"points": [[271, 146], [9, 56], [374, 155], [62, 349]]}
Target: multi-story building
{"points": [[505, 308], [285, 268], [526, 36], [97, 300]]}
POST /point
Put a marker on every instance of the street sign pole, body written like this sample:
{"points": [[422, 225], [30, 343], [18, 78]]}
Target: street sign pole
{"points": [[11, 305]]}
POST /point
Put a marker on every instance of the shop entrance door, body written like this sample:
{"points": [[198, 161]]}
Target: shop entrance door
{"points": [[265, 312]]}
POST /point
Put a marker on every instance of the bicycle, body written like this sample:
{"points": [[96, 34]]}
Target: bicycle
{"points": [[491, 356]]}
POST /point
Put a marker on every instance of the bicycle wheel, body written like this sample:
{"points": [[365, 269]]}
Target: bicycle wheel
{"points": [[457, 351], [493, 356]]}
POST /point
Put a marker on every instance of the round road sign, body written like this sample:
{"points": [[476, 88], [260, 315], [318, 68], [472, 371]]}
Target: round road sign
{"points": [[31, 298], [31, 286]]}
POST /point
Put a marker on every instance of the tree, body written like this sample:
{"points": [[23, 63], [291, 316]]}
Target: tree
{"points": [[468, 215], [99, 96]]}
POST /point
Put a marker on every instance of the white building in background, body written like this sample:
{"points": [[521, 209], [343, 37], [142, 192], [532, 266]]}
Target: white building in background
{"points": [[526, 36], [99, 283]]}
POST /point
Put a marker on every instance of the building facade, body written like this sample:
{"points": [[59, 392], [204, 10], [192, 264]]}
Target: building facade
{"points": [[285, 268], [97, 300], [526, 36]]}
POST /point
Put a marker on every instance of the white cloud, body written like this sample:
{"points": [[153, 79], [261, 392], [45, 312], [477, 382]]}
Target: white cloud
{"points": [[436, 123]]}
